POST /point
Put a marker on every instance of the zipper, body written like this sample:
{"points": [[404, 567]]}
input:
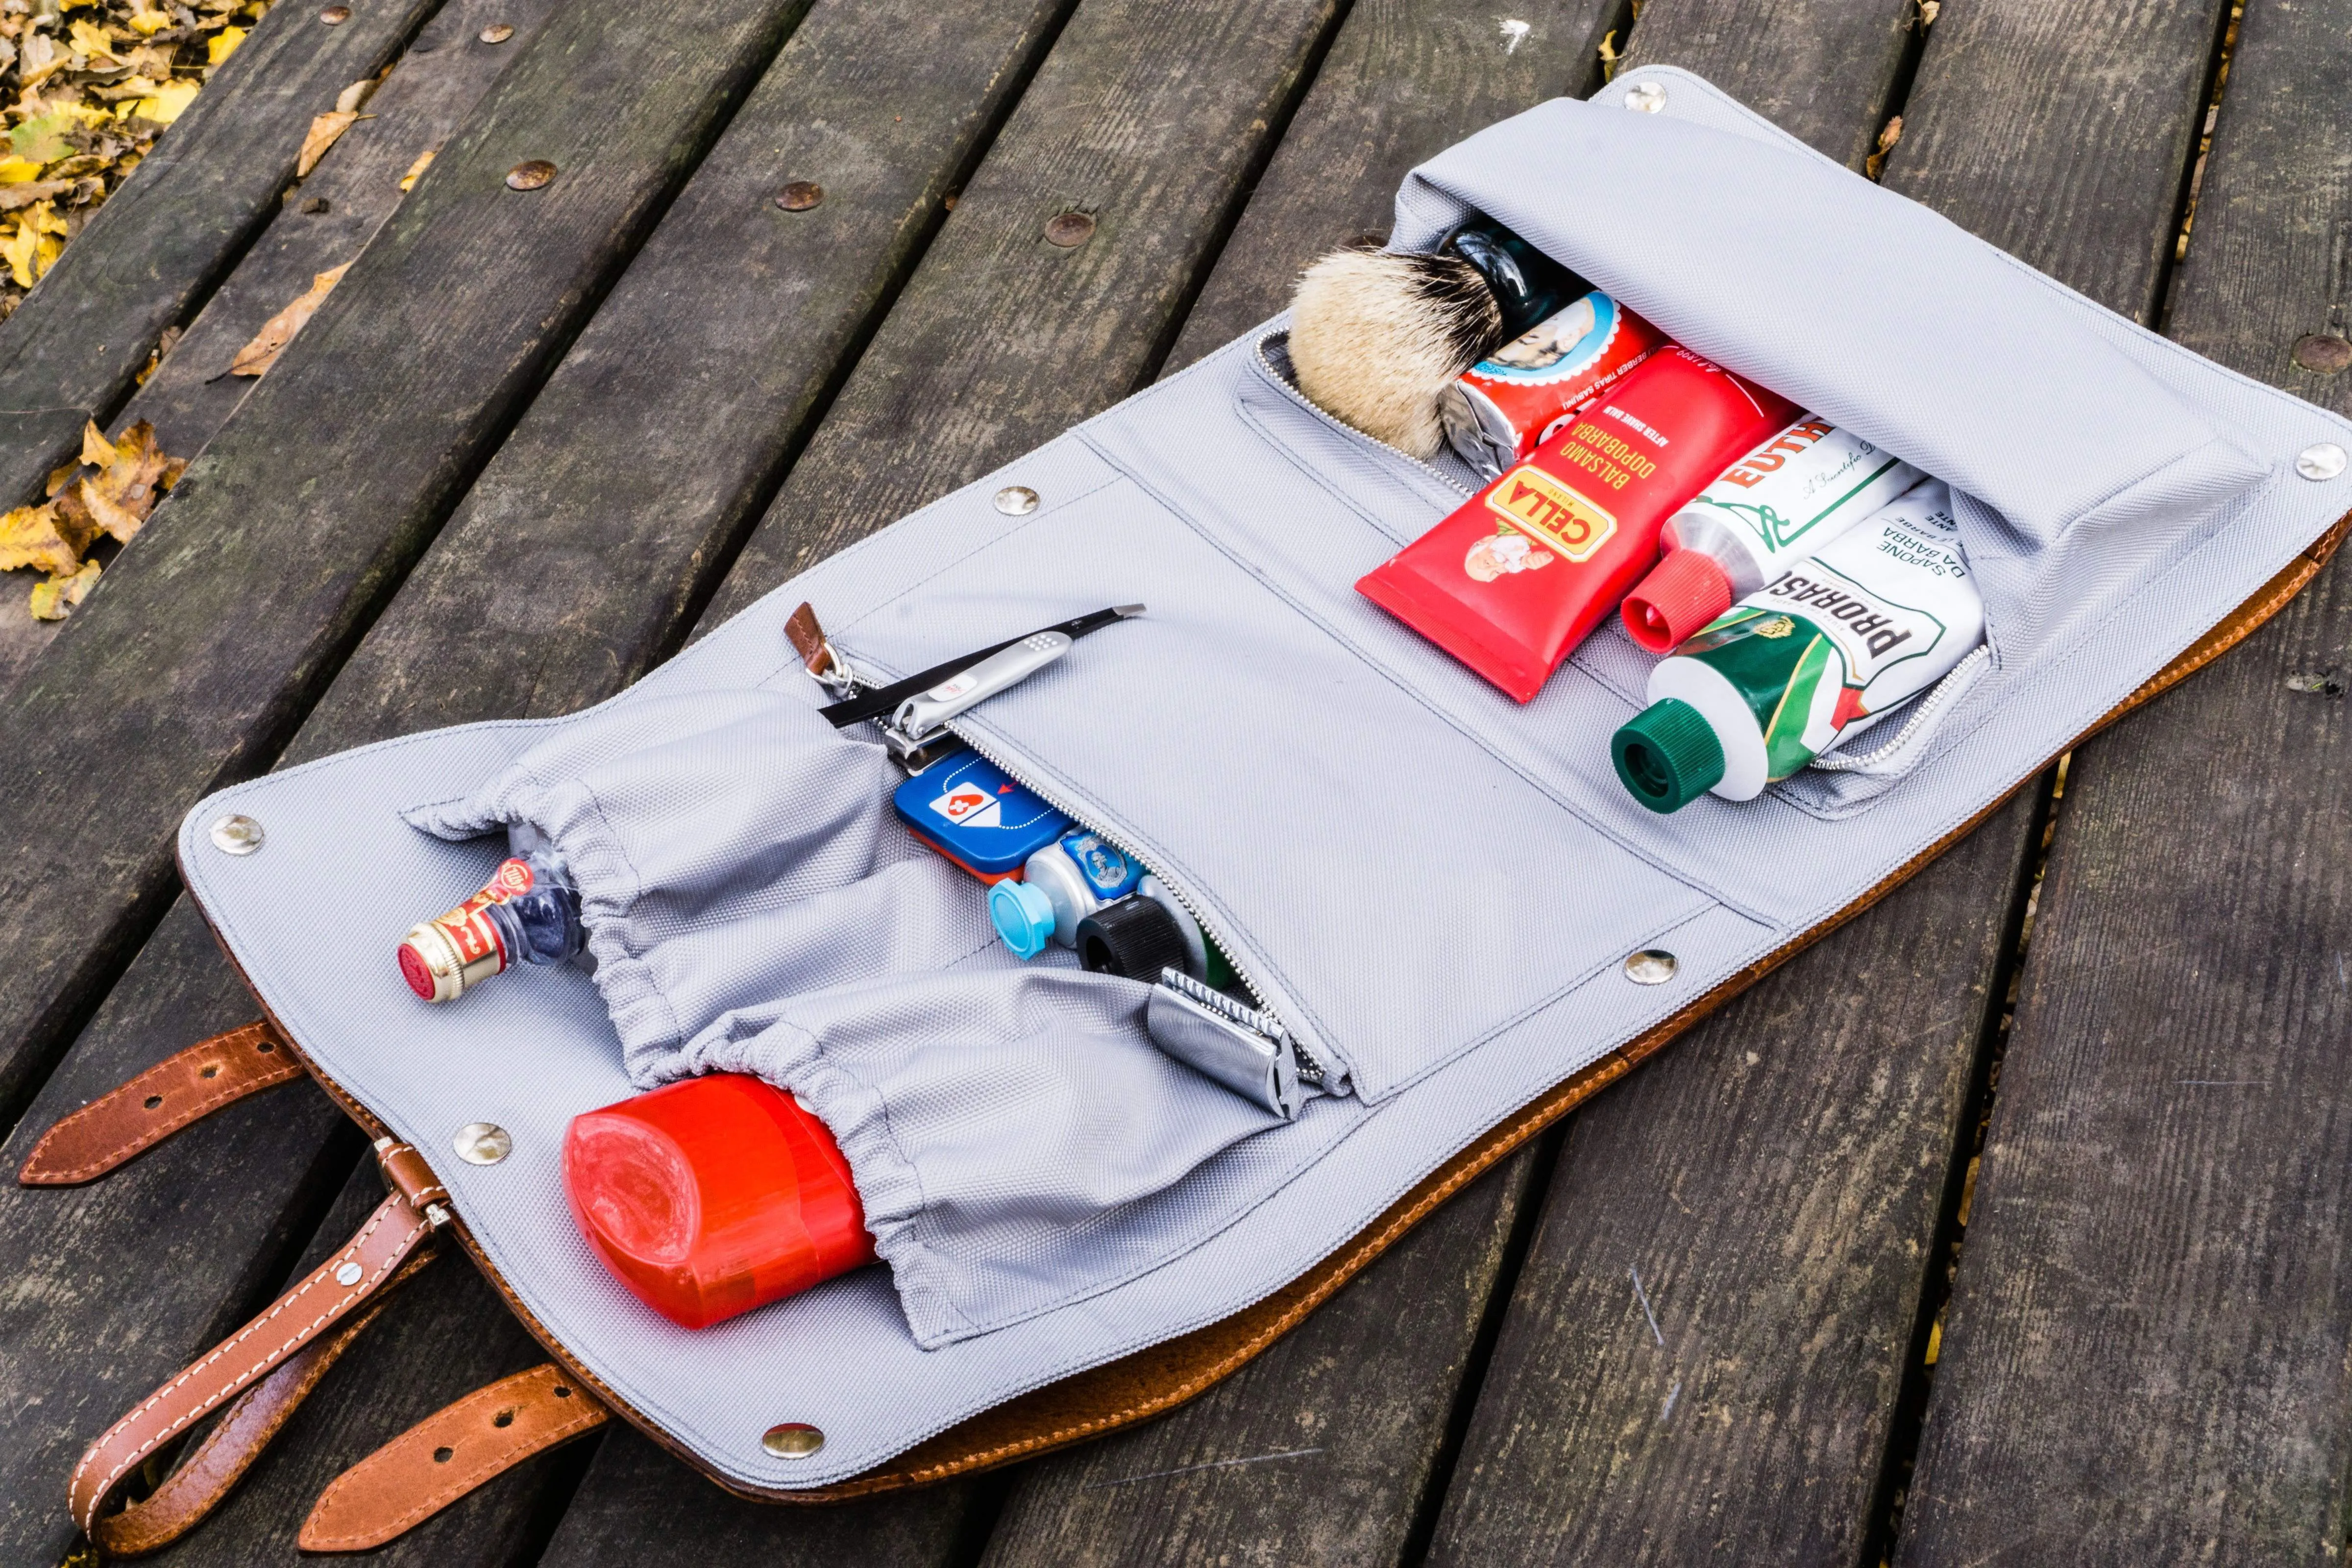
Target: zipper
{"points": [[1274, 374], [1933, 704]]}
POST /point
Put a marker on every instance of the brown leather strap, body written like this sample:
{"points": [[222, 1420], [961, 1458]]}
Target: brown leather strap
{"points": [[317, 1304], [206, 1475], [134, 1116], [448, 1455]]}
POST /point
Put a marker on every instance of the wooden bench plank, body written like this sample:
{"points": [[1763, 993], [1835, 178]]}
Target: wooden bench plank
{"points": [[1404, 80], [163, 240], [1785, 1254], [2144, 1358], [1825, 73], [1359, 1403], [886, 105], [190, 396], [1149, 118], [195, 660]]}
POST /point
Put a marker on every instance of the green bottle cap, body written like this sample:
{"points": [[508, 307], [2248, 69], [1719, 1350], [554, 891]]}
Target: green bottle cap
{"points": [[1667, 756]]}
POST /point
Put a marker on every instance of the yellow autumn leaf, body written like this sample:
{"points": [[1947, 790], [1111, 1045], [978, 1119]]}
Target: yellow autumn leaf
{"points": [[18, 171], [20, 249], [407, 181], [220, 46], [146, 23], [325, 129], [42, 219], [96, 449], [37, 536], [88, 39], [257, 356], [170, 101], [56, 597], [353, 99], [111, 517]]}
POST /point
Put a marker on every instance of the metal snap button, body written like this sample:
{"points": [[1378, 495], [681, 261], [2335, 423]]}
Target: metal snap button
{"points": [[2320, 460], [495, 33], [531, 176], [1651, 967], [1645, 97], [1016, 501], [349, 1274], [793, 1441], [237, 834], [482, 1144]]}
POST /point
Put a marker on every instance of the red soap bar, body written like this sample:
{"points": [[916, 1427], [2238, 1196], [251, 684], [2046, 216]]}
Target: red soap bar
{"points": [[1512, 582], [713, 1196]]}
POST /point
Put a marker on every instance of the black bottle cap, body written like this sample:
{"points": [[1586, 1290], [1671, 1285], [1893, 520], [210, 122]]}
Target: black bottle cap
{"points": [[1134, 938], [1529, 285]]}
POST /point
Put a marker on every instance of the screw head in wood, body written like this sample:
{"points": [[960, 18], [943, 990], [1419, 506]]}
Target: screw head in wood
{"points": [[335, 16], [495, 33], [482, 1143], [530, 176], [792, 1440], [800, 195], [2320, 460], [2324, 353], [1645, 97], [236, 834], [1016, 501], [1651, 966], [349, 1274], [1069, 230]]}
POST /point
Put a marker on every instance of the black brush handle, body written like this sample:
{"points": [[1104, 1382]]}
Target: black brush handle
{"points": [[883, 701], [1529, 285]]}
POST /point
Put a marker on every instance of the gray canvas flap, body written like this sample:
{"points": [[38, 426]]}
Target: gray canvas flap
{"points": [[1437, 883]]}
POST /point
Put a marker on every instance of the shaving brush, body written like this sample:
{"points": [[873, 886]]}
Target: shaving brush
{"points": [[1376, 337]]}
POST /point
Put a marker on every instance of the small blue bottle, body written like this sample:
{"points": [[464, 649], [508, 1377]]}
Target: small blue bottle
{"points": [[1062, 884]]}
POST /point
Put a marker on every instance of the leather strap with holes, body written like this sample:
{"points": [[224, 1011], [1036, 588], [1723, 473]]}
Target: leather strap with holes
{"points": [[317, 1306], [448, 1455], [212, 1467], [132, 1118]]}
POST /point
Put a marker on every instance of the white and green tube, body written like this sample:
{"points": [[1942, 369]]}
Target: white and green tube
{"points": [[1876, 618]]}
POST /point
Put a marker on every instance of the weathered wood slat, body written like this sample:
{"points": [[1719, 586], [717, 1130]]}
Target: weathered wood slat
{"points": [[1825, 73], [163, 240], [1321, 1450], [885, 106], [206, 641], [638, 1504], [1150, 119], [1786, 1265], [2144, 1358], [1369, 1385], [1404, 80], [436, 81], [445, 1334]]}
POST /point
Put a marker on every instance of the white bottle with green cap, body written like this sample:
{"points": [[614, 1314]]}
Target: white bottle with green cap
{"points": [[1873, 619]]}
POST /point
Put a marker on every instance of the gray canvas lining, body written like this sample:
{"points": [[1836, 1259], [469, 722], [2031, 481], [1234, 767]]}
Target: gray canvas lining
{"points": [[1370, 840]]}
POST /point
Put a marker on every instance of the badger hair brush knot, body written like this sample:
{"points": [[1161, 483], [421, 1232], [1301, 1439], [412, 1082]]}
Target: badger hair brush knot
{"points": [[1376, 337]]}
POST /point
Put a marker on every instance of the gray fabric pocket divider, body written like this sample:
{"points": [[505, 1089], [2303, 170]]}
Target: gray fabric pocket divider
{"points": [[754, 907]]}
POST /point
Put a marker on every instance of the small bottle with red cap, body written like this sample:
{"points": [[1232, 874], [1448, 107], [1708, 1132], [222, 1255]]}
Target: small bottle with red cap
{"points": [[528, 912]]}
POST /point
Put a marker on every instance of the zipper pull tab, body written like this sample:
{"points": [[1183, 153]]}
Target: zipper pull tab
{"points": [[818, 655], [1242, 1047]]}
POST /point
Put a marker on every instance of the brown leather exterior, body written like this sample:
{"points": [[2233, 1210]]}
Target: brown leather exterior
{"points": [[317, 1305], [1153, 1380], [448, 1454], [207, 1473], [134, 1116]]}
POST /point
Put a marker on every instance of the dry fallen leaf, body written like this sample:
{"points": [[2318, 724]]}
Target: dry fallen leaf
{"points": [[222, 45], [39, 537], [407, 181], [14, 196], [134, 477], [1876, 164], [257, 356], [353, 99], [325, 131], [58, 596], [116, 521]]}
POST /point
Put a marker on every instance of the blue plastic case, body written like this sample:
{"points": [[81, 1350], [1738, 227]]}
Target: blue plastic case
{"points": [[968, 810]]}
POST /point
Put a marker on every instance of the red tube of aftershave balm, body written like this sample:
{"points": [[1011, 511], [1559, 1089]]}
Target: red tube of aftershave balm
{"points": [[1512, 582]]}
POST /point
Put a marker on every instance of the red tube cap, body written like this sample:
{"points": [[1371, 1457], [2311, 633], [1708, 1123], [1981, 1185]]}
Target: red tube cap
{"points": [[1681, 594], [712, 1196]]}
